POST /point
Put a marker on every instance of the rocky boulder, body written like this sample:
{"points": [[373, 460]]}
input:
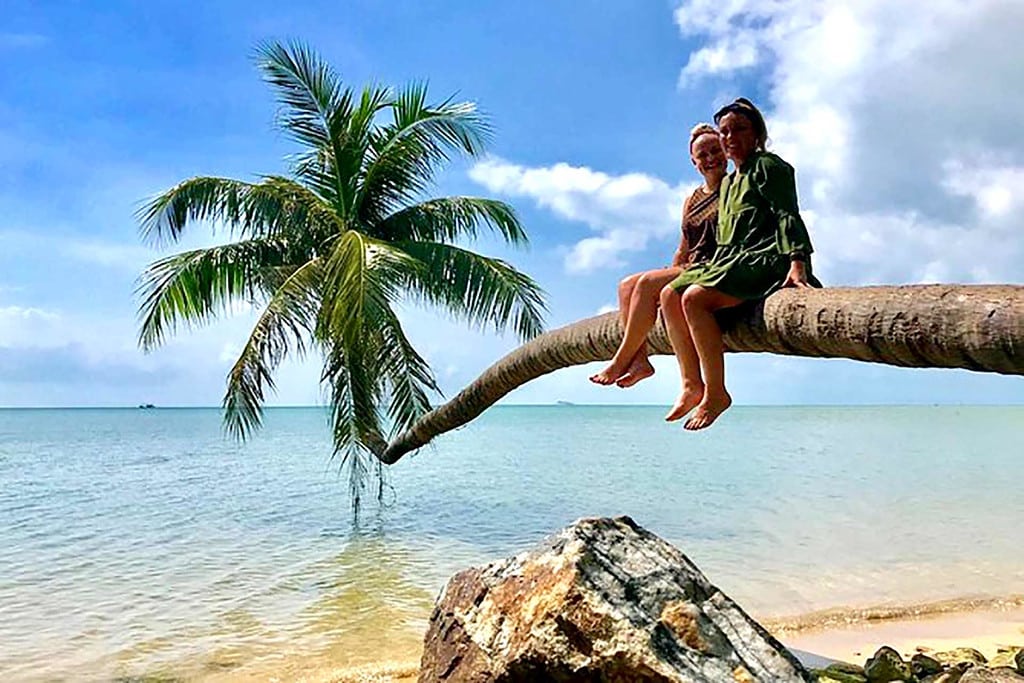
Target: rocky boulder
{"points": [[887, 665], [600, 601]]}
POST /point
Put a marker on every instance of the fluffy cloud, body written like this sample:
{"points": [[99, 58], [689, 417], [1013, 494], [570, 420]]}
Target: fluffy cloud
{"points": [[626, 211], [896, 117]]}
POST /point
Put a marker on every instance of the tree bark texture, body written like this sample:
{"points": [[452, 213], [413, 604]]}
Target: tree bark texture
{"points": [[972, 327]]}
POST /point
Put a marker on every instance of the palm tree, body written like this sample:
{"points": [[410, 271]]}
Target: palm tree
{"points": [[972, 327], [329, 250]]}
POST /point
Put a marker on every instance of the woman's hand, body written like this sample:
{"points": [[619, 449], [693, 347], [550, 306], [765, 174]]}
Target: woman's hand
{"points": [[797, 276]]}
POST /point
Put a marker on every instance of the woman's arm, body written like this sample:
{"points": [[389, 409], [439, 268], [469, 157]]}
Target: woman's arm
{"points": [[681, 258], [777, 183]]}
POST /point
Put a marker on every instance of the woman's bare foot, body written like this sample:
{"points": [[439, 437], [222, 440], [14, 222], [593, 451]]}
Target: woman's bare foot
{"points": [[687, 401], [610, 374], [639, 369], [708, 411]]}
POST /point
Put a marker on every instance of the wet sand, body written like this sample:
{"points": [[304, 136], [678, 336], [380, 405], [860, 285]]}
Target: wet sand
{"points": [[850, 635], [988, 631]]}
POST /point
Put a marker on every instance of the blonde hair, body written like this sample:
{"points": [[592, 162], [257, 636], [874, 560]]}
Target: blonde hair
{"points": [[701, 129]]}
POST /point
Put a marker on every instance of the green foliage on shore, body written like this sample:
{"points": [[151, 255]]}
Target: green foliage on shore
{"points": [[327, 251]]}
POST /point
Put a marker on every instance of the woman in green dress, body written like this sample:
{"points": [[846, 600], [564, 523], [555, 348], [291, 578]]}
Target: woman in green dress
{"points": [[762, 245]]}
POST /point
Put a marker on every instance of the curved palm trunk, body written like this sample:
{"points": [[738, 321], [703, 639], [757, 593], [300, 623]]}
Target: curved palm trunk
{"points": [[976, 327]]}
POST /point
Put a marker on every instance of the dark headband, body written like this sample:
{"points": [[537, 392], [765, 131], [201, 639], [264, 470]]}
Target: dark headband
{"points": [[741, 105]]}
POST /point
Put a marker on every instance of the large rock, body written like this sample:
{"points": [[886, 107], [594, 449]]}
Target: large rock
{"points": [[601, 601]]}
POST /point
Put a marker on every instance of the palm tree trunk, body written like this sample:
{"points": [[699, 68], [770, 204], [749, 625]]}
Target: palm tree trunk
{"points": [[975, 327]]}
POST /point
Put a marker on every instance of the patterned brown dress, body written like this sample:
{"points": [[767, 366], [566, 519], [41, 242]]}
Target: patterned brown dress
{"points": [[700, 221]]}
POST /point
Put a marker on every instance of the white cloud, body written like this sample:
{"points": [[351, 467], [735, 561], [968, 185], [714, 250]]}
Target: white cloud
{"points": [[724, 56], [997, 191], [626, 211], [25, 325], [896, 118]]}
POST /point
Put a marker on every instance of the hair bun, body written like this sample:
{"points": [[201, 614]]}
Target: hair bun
{"points": [[701, 129]]}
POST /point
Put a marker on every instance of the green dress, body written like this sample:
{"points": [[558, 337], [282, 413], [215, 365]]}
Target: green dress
{"points": [[759, 228]]}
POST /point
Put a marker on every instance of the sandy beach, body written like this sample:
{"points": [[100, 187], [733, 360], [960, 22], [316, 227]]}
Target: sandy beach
{"points": [[850, 635], [989, 631]]}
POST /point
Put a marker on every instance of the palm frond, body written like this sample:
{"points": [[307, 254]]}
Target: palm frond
{"points": [[361, 278], [286, 325], [316, 111], [310, 92], [450, 219], [475, 288], [406, 373], [274, 206], [355, 393], [195, 286], [405, 154], [353, 135]]}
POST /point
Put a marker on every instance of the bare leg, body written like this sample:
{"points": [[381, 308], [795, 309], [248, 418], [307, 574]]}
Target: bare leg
{"points": [[626, 288], [699, 304], [643, 311], [686, 354], [643, 316]]}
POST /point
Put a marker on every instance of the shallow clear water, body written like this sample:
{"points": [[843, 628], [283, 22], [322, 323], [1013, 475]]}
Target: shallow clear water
{"points": [[137, 542]]}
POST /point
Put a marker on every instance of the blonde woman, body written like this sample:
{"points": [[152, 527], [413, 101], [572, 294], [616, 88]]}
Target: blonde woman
{"points": [[638, 293]]}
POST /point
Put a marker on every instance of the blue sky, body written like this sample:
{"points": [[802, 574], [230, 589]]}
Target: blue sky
{"points": [[902, 122]]}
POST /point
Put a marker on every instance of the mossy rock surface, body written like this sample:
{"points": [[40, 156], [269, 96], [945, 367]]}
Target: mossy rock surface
{"points": [[1005, 658], [886, 666], [840, 673], [961, 654], [922, 665]]}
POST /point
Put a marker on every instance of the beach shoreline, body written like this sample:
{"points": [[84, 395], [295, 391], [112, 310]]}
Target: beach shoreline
{"points": [[852, 635]]}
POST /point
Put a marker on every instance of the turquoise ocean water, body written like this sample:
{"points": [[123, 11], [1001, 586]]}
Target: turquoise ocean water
{"points": [[143, 542]]}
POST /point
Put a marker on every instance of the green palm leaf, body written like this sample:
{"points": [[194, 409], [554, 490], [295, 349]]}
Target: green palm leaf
{"points": [[273, 207], [354, 395], [310, 92], [408, 376], [404, 156], [451, 219], [195, 286], [286, 325], [480, 290]]}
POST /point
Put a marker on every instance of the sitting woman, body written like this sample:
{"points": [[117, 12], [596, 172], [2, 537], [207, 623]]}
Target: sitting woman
{"points": [[762, 245], [638, 293]]}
